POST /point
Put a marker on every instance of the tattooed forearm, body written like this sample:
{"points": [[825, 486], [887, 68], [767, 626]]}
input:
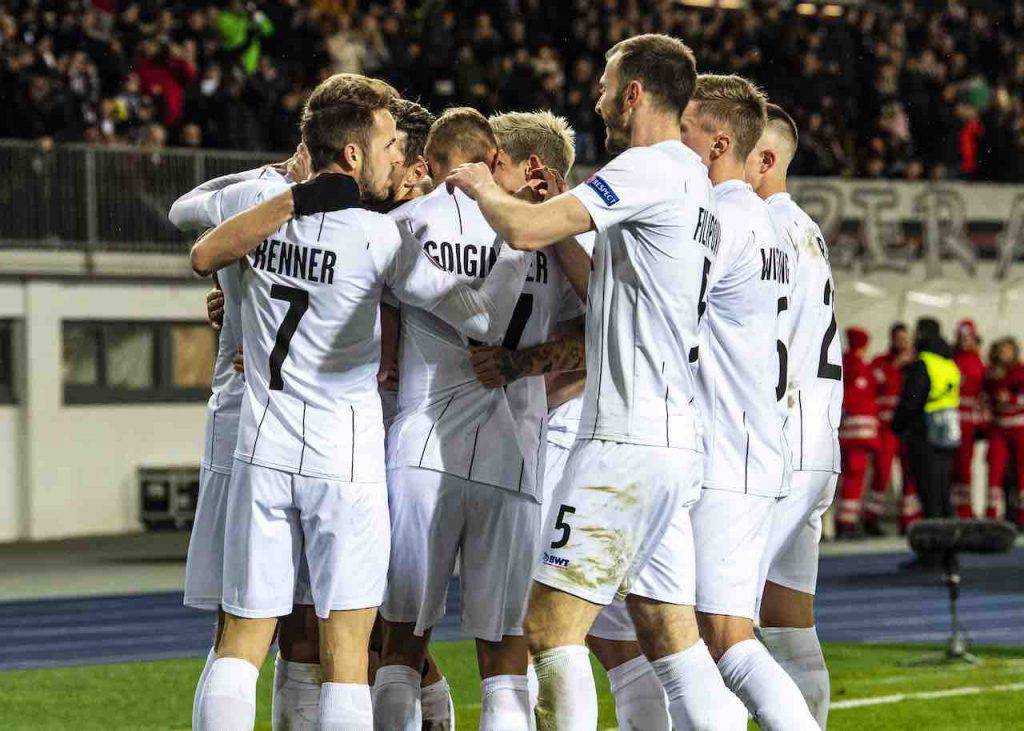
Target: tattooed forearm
{"points": [[556, 356]]}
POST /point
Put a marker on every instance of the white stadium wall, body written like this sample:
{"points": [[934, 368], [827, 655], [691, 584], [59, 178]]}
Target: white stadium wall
{"points": [[70, 469]]}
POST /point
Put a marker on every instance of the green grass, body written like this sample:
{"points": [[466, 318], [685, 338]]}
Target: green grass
{"points": [[158, 695]]}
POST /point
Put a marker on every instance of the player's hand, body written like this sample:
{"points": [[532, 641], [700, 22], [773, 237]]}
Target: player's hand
{"points": [[470, 178], [299, 167], [547, 182], [387, 378], [238, 361], [215, 308], [494, 366], [326, 192]]}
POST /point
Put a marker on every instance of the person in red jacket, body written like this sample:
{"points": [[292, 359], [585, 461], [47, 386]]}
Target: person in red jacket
{"points": [[972, 379], [858, 431], [887, 369], [1004, 391]]}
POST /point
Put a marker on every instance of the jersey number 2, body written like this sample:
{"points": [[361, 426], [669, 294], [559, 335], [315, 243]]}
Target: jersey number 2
{"points": [[831, 371], [780, 387], [298, 303]]}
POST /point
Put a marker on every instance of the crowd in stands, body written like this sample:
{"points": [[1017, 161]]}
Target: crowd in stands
{"points": [[991, 410], [904, 89]]}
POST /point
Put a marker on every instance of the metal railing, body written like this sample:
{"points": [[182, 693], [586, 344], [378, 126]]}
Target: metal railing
{"points": [[80, 197]]}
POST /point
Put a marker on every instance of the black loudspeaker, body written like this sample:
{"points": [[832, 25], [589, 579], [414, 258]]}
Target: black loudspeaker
{"points": [[947, 538]]}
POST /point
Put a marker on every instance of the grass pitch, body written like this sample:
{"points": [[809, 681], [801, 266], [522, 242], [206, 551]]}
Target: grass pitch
{"points": [[158, 695]]}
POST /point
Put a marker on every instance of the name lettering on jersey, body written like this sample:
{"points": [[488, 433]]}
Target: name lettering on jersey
{"points": [[472, 260], [709, 231], [294, 260], [601, 187], [775, 265]]}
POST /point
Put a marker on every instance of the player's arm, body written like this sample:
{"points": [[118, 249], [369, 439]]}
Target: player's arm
{"points": [[562, 387], [523, 225], [576, 262], [242, 232], [481, 314], [497, 366]]}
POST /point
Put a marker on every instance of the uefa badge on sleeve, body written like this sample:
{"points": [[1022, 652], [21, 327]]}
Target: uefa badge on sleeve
{"points": [[599, 186]]}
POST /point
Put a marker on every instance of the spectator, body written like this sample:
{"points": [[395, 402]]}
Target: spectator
{"points": [[1004, 391]]}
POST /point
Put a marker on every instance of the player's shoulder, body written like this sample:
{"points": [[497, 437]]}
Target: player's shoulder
{"points": [[667, 161], [378, 227]]}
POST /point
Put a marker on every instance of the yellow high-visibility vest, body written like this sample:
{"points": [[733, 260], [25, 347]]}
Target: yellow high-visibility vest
{"points": [[945, 379]]}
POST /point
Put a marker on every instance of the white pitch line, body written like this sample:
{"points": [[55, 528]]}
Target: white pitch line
{"points": [[926, 695]]}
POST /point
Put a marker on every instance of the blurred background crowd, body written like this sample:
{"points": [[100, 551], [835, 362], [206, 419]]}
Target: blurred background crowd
{"points": [[880, 89], [874, 445]]}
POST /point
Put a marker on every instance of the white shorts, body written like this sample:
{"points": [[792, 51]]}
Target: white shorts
{"points": [[791, 558], [436, 517], [276, 519], [730, 533], [204, 565], [619, 523]]}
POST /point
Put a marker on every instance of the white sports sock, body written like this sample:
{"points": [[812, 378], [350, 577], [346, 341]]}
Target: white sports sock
{"points": [[695, 691], [532, 686], [396, 699], [505, 703], [567, 697], [640, 701], [438, 709], [229, 696], [296, 704], [210, 658], [345, 707], [798, 651], [769, 694]]}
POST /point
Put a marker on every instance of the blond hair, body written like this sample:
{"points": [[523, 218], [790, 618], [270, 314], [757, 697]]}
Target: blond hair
{"points": [[539, 133], [735, 102]]}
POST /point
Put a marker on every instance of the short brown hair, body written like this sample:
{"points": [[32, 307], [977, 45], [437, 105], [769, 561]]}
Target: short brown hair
{"points": [[340, 112], [736, 102], [463, 129], [663, 65], [539, 133], [780, 119], [415, 120]]}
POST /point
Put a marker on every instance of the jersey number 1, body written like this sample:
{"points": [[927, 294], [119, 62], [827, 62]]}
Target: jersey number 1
{"points": [[298, 303]]}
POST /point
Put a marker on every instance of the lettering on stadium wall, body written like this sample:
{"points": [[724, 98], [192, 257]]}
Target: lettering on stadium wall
{"points": [[886, 225]]}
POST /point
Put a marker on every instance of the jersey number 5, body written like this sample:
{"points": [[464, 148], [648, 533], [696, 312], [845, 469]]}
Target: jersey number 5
{"points": [[298, 303], [780, 387], [561, 525]]}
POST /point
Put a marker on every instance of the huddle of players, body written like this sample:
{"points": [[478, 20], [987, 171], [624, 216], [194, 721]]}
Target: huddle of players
{"points": [[706, 421]]}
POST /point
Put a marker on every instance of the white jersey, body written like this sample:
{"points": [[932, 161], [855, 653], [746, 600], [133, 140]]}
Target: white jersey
{"points": [[743, 354], [815, 390], [194, 211], [447, 420], [657, 235], [311, 331], [564, 422]]}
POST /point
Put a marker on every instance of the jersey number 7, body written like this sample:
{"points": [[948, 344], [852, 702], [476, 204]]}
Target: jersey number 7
{"points": [[298, 303]]}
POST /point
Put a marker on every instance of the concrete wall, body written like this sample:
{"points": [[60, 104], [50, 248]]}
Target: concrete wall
{"points": [[69, 470]]}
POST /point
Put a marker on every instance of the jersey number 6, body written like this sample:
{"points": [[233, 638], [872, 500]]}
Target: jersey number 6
{"points": [[298, 303]]}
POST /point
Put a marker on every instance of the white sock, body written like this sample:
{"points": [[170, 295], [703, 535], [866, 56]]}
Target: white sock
{"points": [[640, 701], [505, 703], [695, 691], [396, 699], [296, 704], [798, 651], [200, 685], [769, 694], [345, 707], [532, 686], [567, 697], [438, 709], [229, 696]]}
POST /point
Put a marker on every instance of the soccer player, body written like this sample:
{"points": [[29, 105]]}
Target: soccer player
{"points": [[742, 379], [307, 482], [815, 398], [464, 461], [297, 677], [621, 516]]}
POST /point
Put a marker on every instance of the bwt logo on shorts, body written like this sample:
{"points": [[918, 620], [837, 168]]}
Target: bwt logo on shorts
{"points": [[555, 561], [599, 186]]}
